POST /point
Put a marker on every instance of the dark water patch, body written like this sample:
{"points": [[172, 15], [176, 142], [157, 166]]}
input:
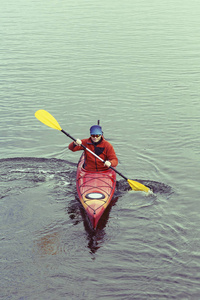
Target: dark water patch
{"points": [[18, 174], [74, 210], [155, 186]]}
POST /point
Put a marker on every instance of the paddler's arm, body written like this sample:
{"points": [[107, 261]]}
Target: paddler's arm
{"points": [[111, 157], [75, 146]]}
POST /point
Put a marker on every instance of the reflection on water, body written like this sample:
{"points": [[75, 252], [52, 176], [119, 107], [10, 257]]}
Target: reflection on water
{"points": [[48, 244], [50, 241], [96, 237]]}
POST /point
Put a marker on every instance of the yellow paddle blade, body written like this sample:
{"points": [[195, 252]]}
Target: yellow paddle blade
{"points": [[46, 118], [137, 186]]}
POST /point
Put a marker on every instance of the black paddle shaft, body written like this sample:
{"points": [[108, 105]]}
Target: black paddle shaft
{"points": [[71, 137]]}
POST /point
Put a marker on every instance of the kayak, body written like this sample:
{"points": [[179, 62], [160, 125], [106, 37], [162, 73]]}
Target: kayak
{"points": [[95, 191]]}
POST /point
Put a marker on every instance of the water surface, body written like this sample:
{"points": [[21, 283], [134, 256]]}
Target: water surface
{"points": [[135, 67]]}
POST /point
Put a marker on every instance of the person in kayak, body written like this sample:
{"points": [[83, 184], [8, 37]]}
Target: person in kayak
{"points": [[97, 144]]}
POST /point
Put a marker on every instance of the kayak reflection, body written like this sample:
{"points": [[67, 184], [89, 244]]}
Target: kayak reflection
{"points": [[96, 237]]}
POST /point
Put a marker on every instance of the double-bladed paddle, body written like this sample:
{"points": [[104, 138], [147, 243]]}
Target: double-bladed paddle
{"points": [[46, 118]]}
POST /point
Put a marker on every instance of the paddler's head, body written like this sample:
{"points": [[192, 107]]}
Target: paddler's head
{"points": [[96, 133]]}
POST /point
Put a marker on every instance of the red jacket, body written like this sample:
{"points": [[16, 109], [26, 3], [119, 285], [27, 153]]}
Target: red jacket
{"points": [[103, 149]]}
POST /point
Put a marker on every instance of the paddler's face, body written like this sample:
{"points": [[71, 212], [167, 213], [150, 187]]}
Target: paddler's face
{"points": [[95, 137]]}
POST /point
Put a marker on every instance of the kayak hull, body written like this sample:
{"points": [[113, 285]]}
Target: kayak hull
{"points": [[95, 191]]}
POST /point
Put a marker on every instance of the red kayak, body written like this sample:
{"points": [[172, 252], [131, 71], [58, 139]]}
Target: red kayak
{"points": [[95, 191]]}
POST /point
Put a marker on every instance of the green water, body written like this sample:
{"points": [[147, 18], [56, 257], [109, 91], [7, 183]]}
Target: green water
{"points": [[133, 65]]}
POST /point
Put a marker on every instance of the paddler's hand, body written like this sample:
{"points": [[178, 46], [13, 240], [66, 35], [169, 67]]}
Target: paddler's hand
{"points": [[78, 142], [107, 163]]}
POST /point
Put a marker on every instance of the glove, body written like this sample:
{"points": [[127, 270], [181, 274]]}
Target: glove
{"points": [[78, 142], [107, 163]]}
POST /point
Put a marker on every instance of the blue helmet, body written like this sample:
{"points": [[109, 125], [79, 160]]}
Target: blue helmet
{"points": [[96, 129]]}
